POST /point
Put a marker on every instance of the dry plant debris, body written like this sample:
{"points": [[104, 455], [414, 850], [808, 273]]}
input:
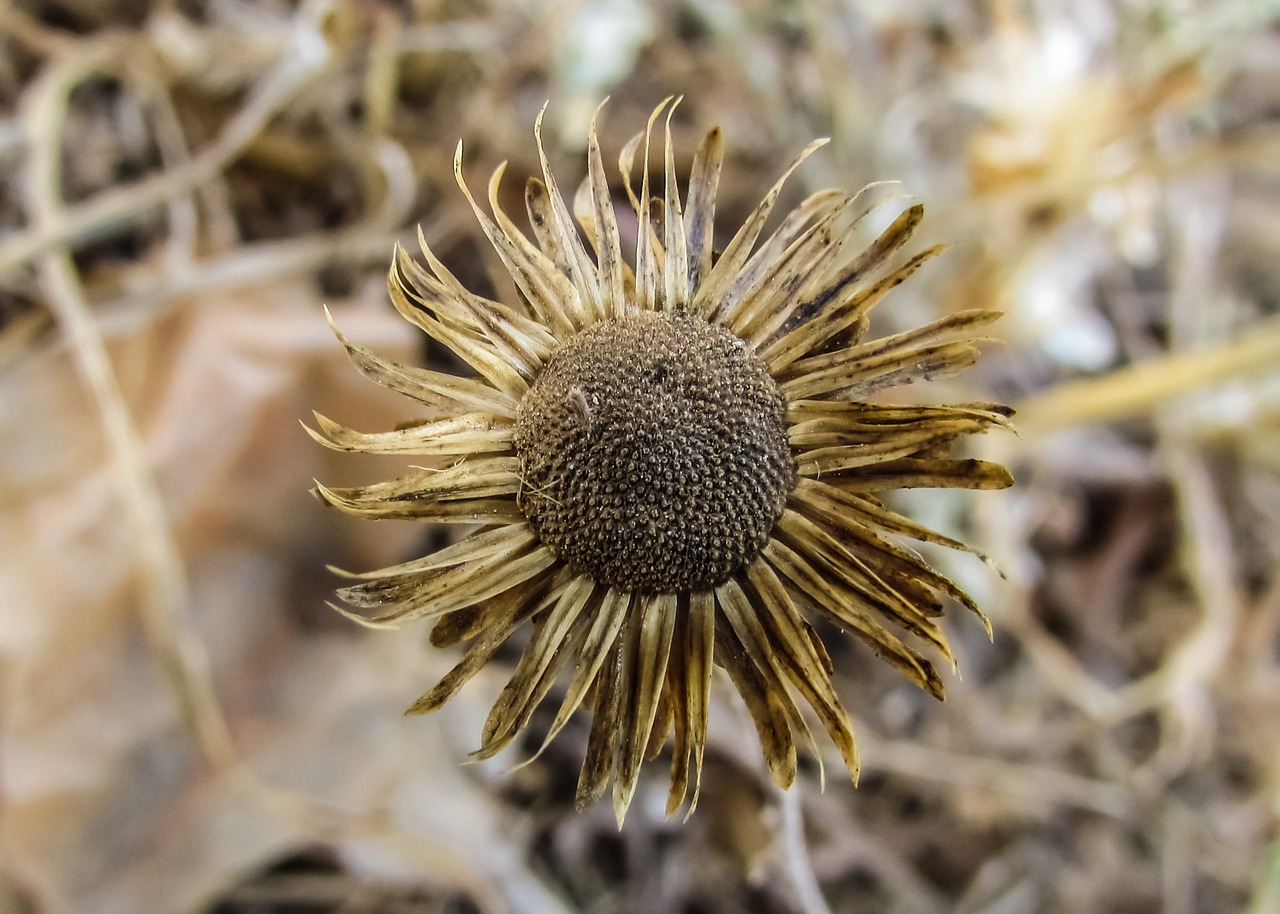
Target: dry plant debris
{"points": [[185, 183], [674, 466]]}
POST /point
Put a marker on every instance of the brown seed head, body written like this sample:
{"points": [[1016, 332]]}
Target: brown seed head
{"points": [[676, 466], [653, 453]]}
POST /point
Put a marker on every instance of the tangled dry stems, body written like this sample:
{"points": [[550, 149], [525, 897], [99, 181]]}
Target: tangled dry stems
{"points": [[1214, 658]]}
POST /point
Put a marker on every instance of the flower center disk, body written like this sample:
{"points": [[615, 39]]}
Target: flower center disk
{"points": [[653, 453]]}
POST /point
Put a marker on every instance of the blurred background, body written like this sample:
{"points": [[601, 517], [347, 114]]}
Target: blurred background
{"points": [[186, 727]]}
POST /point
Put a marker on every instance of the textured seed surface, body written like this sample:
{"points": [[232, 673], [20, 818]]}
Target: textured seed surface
{"points": [[654, 453]]}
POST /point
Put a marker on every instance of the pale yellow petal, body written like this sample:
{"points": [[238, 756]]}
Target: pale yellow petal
{"points": [[605, 733], [446, 394], [676, 266], [547, 651], [435, 593], [926, 473], [609, 616], [608, 242], [471, 433], [502, 615], [700, 208], [507, 538], [548, 291], [843, 609], [784, 265], [655, 622], [866, 591], [735, 255], [581, 271], [468, 345], [649, 284], [764, 699], [786, 636], [840, 304], [700, 648]]}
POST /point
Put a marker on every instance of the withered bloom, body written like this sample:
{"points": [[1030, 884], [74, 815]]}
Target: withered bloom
{"points": [[673, 466]]}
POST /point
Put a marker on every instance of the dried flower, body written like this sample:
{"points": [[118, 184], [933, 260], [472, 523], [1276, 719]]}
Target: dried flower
{"points": [[673, 467]]}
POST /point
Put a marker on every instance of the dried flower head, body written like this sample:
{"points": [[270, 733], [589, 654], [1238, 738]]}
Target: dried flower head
{"points": [[673, 466]]}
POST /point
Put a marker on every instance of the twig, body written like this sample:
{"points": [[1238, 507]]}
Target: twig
{"points": [[1140, 388], [795, 852], [166, 604], [299, 63], [1037, 784]]}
